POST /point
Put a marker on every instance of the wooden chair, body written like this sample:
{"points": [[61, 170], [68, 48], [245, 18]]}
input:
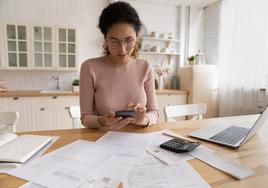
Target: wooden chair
{"points": [[8, 121], [195, 110], [74, 112]]}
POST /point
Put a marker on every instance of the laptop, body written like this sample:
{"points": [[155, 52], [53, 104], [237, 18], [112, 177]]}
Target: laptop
{"points": [[230, 135]]}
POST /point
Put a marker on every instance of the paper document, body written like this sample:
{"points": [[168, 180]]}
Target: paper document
{"points": [[6, 137], [6, 166], [114, 170], [210, 157], [22, 148], [153, 173], [127, 139], [32, 185], [165, 156], [67, 166], [224, 165]]}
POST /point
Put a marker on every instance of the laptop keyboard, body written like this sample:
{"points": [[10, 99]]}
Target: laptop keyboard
{"points": [[230, 135]]}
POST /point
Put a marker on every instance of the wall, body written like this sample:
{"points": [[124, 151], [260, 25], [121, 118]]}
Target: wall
{"points": [[211, 32], [83, 15], [163, 19], [196, 30]]}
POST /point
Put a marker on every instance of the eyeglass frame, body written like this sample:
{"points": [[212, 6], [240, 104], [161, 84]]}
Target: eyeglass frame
{"points": [[118, 42]]}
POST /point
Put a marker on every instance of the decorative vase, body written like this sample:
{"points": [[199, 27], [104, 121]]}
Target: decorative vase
{"points": [[161, 82], [75, 88]]}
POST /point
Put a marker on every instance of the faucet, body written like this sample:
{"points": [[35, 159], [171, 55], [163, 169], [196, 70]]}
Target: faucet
{"points": [[58, 81]]}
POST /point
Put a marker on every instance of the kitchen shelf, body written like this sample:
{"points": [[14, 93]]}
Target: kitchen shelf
{"points": [[158, 53], [159, 39]]}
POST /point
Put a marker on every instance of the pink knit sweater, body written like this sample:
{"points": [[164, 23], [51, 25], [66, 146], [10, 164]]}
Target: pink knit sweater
{"points": [[105, 87]]}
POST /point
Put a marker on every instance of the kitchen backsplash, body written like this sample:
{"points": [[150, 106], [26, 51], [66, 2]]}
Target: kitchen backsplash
{"points": [[37, 80]]}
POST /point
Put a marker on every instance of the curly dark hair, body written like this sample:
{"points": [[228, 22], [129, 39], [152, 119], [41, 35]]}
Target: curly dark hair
{"points": [[119, 12]]}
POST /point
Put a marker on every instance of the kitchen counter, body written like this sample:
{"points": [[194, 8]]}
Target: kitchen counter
{"points": [[38, 94], [34, 94]]}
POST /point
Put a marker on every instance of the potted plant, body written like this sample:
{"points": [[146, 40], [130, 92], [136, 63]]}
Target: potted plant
{"points": [[75, 85], [191, 60]]}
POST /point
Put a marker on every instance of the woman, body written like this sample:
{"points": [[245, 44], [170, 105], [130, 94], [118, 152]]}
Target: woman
{"points": [[117, 80]]}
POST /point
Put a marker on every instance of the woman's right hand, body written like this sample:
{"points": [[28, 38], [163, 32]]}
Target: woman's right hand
{"points": [[110, 122]]}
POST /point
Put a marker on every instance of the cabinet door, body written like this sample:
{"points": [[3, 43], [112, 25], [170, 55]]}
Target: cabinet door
{"points": [[50, 113], [2, 104], [66, 48], [169, 99], [44, 118], [43, 47], [20, 104], [17, 46], [64, 119], [201, 81]]}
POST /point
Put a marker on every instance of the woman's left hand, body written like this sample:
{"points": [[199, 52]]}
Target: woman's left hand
{"points": [[140, 117]]}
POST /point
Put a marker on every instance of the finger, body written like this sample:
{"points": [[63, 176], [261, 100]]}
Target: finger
{"points": [[140, 109], [111, 121], [129, 106], [111, 114], [121, 123], [137, 106], [115, 120]]}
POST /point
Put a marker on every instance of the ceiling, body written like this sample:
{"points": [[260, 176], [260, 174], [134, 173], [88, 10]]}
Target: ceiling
{"points": [[199, 3]]}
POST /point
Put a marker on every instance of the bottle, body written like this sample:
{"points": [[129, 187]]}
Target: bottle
{"points": [[261, 100]]}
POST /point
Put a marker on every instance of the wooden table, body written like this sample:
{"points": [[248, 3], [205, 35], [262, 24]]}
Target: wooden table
{"points": [[254, 154]]}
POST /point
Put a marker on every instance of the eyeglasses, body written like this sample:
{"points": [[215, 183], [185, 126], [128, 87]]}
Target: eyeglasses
{"points": [[128, 42]]}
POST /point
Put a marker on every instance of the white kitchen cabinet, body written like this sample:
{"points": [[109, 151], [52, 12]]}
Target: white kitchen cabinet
{"points": [[27, 47], [2, 104], [40, 113], [202, 83], [50, 113], [16, 39], [164, 99], [43, 117], [19, 104], [66, 48], [43, 47]]}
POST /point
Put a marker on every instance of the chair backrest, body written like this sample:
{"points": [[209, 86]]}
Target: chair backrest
{"points": [[195, 110], [8, 121], [74, 112]]}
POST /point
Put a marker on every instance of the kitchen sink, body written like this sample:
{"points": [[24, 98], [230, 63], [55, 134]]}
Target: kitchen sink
{"points": [[55, 91]]}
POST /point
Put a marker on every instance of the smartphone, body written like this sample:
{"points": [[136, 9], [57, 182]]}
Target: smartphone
{"points": [[125, 113]]}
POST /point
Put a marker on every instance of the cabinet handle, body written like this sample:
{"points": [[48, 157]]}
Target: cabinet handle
{"points": [[15, 98], [42, 109], [54, 97]]}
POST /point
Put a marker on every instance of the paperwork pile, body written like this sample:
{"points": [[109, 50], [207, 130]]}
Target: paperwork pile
{"points": [[18, 150], [114, 158]]}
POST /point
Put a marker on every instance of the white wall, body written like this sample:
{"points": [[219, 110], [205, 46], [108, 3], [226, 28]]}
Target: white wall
{"points": [[80, 14], [163, 19], [196, 30], [211, 32]]}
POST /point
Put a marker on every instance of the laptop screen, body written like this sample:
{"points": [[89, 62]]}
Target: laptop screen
{"points": [[257, 125]]}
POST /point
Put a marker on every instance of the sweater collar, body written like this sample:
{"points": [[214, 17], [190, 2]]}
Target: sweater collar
{"points": [[117, 64]]}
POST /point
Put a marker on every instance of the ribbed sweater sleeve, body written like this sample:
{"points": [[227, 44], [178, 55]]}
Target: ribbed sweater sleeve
{"points": [[88, 115], [151, 106]]}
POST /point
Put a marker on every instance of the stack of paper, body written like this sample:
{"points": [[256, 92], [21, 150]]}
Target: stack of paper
{"points": [[17, 150], [22, 148]]}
